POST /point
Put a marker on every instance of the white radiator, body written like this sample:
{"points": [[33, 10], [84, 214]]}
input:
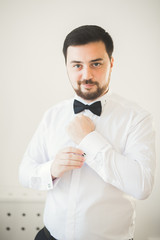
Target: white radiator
{"points": [[21, 213], [154, 238]]}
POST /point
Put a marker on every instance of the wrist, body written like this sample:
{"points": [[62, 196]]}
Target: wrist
{"points": [[53, 178]]}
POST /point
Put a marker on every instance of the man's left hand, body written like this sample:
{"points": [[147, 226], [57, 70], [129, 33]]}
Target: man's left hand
{"points": [[79, 127]]}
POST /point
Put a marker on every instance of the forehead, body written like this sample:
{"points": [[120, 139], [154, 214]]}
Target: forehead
{"points": [[87, 52]]}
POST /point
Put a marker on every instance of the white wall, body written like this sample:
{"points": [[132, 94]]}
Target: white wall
{"points": [[33, 76]]}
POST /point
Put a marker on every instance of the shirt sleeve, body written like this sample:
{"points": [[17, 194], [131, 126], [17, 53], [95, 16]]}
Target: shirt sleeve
{"points": [[34, 170], [131, 170]]}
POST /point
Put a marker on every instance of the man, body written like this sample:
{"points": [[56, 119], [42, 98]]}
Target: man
{"points": [[94, 153]]}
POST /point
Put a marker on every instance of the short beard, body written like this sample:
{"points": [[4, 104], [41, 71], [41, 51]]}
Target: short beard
{"points": [[93, 95]]}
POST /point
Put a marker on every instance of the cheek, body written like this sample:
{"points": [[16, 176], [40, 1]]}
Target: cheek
{"points": [[100, 76], [74, 77], [105, 75]]}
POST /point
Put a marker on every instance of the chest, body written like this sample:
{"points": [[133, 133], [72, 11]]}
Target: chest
{"points": [[110, 125]]}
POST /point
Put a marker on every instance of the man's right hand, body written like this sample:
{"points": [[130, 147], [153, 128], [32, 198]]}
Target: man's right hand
{"points": [[67, 159]]}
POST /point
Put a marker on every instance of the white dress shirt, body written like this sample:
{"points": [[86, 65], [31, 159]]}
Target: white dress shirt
{"points": [[96, 201]]}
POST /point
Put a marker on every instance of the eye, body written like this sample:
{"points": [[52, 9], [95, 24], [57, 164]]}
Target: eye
{"points": [[96, 65], [77, 66]]}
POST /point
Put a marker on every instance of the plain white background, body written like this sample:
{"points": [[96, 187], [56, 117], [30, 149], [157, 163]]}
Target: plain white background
{"points": [[33, 75]]}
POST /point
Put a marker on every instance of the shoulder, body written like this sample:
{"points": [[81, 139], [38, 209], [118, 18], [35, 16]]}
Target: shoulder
{"points": [[58, 111], [128, 109], [60, 106], [126, 105]]}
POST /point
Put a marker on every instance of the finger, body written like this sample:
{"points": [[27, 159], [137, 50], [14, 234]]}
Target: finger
{"points": [[71, 163], [71, 156], [73, 150], [69, 168]]}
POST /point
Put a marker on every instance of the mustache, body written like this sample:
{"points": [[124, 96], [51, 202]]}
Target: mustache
{"points": [[89, 81]]}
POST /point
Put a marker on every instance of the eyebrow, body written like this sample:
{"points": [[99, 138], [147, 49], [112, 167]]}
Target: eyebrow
{"points": [[94, 60]]}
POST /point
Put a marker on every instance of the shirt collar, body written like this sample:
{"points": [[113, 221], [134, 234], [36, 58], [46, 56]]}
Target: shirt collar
{"points": [[103, 99]]}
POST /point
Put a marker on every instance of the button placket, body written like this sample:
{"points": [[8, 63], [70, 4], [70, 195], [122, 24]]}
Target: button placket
{"points": [[71, 212]]}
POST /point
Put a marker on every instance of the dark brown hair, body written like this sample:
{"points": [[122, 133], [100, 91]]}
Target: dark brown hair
{"points": [[86, 34]]}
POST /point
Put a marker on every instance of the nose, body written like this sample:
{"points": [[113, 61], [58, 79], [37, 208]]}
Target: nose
{"points": [[87, 73]]}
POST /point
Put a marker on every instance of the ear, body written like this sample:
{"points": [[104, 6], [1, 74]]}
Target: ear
{"points": [[112, 62]]}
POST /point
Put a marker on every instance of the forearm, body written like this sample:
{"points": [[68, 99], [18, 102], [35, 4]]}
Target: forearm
{"points": [[124, 173], [38, 173], [35, 175], [131, 173]]}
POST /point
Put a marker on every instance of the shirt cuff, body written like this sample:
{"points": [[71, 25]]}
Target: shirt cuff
{"points": [[42, 179], [93, 143]]}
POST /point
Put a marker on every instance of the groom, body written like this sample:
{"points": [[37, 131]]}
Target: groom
{"points": [[94, 154]]}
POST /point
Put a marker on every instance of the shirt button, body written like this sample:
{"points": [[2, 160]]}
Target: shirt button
{"points": [[49, 185]]}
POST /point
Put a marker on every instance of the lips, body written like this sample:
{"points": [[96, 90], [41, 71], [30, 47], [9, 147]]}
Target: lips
{"points": [[88, 85]]}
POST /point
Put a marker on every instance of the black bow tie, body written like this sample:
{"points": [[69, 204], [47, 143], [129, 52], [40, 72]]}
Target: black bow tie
{"points": [[95, 108]]}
